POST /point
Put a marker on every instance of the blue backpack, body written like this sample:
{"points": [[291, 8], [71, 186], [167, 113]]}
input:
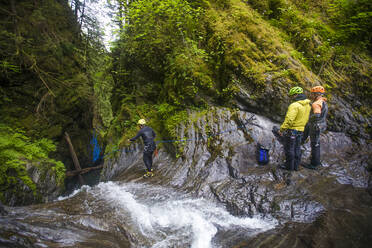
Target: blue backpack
{"points": [[262, 154]]}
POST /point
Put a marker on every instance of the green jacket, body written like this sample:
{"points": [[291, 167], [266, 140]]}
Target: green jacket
{"points": [[297, 114]]}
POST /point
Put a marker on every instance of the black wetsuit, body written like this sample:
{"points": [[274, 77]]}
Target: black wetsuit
{"points": [[316, 125], [291, 140], [148, 136]]}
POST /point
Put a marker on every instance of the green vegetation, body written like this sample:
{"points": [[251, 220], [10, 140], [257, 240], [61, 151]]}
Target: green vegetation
{"points": [[44, 63], [176, 55], [17, 152], [156, 65], [172, 56], [353, 20], [331, 37], [54, 78]]}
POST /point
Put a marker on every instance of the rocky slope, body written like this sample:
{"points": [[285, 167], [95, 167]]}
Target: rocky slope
{"points": [[45, 186], [218, 162]]}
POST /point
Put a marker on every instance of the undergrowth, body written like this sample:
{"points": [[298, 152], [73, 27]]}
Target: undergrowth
{"points": [[17, 151]]}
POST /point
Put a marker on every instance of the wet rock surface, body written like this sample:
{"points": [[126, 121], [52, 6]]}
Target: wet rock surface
{"points": [[2, 209], [345, 223], [195, 183], [74, 222], [46, 187], [219, 163]]}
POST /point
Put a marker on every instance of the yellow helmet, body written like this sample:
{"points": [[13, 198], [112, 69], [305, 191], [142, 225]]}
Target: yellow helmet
{"points": [[141, 122]]}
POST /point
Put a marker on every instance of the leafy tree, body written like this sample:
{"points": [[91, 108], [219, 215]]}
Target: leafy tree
{"points": [[49, 73], [160, 41], [353, 18]]}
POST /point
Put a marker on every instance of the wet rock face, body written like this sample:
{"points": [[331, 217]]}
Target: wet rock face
{"points": [[127, 158], [343, 109], [345, 223], [46, 182], [344, 117], [79, 222], [270, 103], [46, 187], [219, 162], [2, 210], [19, 194]]}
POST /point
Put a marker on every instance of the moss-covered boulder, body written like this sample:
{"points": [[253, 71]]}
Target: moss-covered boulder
{"points": [[41, 183], [28, 175]]}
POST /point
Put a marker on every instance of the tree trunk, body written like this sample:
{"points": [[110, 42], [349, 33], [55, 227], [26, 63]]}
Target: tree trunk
{"points": [[82, 15], [77, 6], [15, 24], [74, 158], [82, 171], [14, 15]]}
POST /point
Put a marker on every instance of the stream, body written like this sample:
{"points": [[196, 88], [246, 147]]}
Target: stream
{"points": [[195, 199], [114, 214]]}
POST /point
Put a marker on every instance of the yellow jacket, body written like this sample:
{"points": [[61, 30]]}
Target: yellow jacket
{"points": [[297, 115]]}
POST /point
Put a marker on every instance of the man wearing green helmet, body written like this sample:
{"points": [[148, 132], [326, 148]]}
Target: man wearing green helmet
{"points": [[293, 127], [148, 136]]}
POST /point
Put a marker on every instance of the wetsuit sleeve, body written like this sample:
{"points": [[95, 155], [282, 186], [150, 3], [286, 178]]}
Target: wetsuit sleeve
{"points": [[289, 117], [137, 136]]}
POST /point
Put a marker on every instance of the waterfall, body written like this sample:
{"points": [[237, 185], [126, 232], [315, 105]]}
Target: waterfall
{"points": [[169, 218], [118, 214]]}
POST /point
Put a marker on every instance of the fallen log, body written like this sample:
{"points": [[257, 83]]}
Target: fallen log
{"points": [[74, 158], [82, 171]]}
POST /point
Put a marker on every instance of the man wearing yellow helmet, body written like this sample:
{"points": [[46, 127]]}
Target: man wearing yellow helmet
{"points": [[317, 124], [293, 126], [148, 136]]}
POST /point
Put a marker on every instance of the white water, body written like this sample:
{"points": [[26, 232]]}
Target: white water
{"points": [[75, 192], [162, 217], [113, 214]]}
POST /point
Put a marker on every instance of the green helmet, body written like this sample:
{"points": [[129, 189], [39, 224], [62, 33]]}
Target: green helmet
{"points": [[295, 90]]}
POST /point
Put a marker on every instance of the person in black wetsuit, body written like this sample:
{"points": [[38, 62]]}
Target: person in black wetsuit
{"points": [[148, 136], [317, 124]]}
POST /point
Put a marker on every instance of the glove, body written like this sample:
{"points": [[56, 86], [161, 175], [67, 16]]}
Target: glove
{"points": [[276, 131], [316, 127]]}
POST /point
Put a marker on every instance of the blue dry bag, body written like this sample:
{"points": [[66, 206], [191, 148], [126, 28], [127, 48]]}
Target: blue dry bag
{"points": [[262, 154], [96, 147]]}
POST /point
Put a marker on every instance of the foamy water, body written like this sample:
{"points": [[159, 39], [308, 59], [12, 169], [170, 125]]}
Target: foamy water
{"points": [[114, 214], [171, 219]]}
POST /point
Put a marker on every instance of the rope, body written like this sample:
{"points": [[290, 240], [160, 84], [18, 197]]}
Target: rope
{"points": [[252, 118], [205, 137]]}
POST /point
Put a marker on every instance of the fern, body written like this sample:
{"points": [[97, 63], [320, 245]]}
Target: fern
{"points": [[17, 150]]}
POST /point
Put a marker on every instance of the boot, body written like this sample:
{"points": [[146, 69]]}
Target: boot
{"points": [[310, 166], [283, 167], [149, 174]]}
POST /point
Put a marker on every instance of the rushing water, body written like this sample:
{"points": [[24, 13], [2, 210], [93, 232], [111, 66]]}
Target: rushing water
{"points": [[116, 214]]}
